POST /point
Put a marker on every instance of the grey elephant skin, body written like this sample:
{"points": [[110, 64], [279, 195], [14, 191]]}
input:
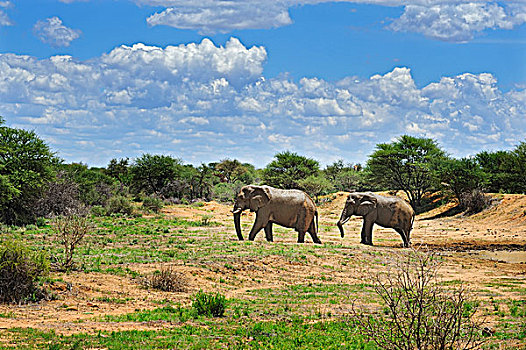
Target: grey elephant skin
{"points": [[390, 212], [289, 208]]}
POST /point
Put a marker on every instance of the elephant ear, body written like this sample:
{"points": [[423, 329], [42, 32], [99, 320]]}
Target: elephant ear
{"points": [[367, 204], [259, 198]]}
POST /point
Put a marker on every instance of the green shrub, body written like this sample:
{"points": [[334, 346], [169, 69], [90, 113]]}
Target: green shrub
{"points": [[119, 205], [20, 271], [153, 204], [209, 304], [98, 210]]}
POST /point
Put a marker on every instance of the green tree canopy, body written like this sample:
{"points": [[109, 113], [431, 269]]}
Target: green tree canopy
{"points": [[460, 176], [26, 165], [316, 185], [406, 164], [345, 177], [119, 170], [151, 173], [287, 169]]}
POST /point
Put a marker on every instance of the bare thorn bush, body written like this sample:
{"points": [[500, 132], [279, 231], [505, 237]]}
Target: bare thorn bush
{"points": [[69, 230], [167, 280], [418, 313]]}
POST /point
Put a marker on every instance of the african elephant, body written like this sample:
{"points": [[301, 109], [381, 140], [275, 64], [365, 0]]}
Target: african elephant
{"points": [[289, 208], [385, 211]]}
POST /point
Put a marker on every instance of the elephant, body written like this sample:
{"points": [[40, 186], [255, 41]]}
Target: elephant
{"points": [[391, 212], [289, 208]]}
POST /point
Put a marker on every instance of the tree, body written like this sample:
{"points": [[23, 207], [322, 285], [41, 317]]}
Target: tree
{"points": [[516, 168], [287, 169], [95, 187], [345, 177], [151, 173], [230, 170], [26, 165], [119, 170], [495, 165], [406, 164], [461, 176], [315, 185]]}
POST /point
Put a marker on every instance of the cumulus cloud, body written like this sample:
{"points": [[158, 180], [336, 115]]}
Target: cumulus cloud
{"points": [[205, 102], [222, 16], [51, 31], [446, 20], [459, 21]]}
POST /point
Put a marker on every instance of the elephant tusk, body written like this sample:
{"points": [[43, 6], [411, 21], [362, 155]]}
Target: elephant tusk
{"points": [[237, 211], [345, 220]]}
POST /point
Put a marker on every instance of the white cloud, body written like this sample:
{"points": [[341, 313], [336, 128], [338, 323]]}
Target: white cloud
{"points": [[51, 31], [459, 21], [4, 18], [222, 16], [447, 20], [203, 102]]}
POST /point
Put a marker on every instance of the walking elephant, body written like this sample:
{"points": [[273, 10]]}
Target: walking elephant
{"points": [[392, 212], [289, 208]]}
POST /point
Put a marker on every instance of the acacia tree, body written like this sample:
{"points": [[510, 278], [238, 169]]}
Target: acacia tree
{"points": [[151, 173], [26, 166], [406, 164], [288, 169]]}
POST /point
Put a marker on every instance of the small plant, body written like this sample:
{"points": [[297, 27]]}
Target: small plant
{"points": [[98, 210], [20, 271], [152, 204], [119, 205], [70, 230], [209, 304], [417, 312], [205, 220], [167, 280], [474, 201]]}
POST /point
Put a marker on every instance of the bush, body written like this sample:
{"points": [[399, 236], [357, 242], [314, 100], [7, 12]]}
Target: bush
{"points": [[209, 304], [167, 280], [153, 204], [225, 192], [61, 197], [474, 201], [418, 313], [70, 230], [20, 271], [98, 210], [119, 205]]}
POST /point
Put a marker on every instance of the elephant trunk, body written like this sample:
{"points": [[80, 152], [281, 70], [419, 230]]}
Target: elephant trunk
{"points": [[343, 219], [237, 223], [340, 226]]}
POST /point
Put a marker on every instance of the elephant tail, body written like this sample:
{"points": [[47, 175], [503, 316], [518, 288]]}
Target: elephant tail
{"points": [[412, 221], [317, 225]]}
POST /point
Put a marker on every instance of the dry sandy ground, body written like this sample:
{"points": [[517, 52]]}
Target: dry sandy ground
{"points": [[484, 250]]}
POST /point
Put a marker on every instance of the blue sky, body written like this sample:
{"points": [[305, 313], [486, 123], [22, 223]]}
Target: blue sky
{"points": [[210, 80]]}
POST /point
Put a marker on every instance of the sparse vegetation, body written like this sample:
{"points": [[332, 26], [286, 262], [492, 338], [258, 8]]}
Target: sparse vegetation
{"points": [[166, 279], [419, 313], [70, 231], [276, 299]]}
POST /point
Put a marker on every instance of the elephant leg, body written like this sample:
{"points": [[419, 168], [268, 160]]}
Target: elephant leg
{"points": [[301, 236], [313, 234], [268, 232], [367, 232], [258, 225], [405, 237]]}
